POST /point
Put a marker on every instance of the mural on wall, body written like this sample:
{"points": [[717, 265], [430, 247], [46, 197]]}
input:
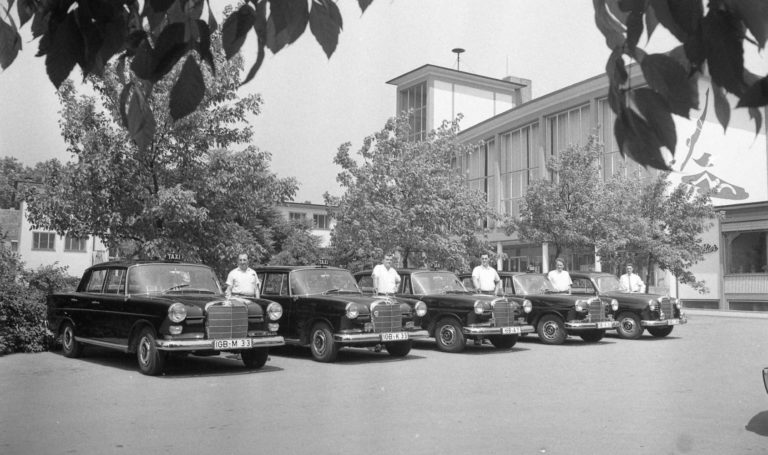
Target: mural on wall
{"points": [[731, 165]]}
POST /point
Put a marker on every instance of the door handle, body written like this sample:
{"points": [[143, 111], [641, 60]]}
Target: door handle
{"points": [[96, 302]]}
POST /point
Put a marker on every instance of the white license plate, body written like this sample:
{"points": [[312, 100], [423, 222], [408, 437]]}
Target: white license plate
{"points": [[673, 321], [233, 343], [394, 336], [604, 325], [510, 330]]}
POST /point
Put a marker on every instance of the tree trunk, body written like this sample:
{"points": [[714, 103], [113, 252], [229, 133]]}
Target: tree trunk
{"points": [[648, 273]]}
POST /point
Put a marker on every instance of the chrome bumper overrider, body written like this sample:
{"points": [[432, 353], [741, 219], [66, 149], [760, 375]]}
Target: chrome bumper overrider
{"points": [[590, 325], [374, 337], [197, 345], [495, 330], [664, 322]]}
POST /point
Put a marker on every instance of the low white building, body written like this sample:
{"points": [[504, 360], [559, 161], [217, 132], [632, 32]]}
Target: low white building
{"points": [[322, 221]]}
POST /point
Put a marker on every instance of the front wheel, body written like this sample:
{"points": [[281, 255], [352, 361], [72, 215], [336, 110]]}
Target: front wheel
{"points": [[151, 360], [592, 336], [70, 346], [399, 348], [503, 341], [551, 329], [254, 358], [448, 335], [324, 348], [660, 332], [629, 326]]}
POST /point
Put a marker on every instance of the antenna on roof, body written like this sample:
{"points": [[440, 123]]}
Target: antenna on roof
{"points": [[458, 51]]}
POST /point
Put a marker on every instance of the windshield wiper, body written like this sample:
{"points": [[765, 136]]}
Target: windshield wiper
{"points": [[173, 288]]}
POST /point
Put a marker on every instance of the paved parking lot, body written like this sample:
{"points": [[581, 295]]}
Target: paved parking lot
{"points": [[698, 391]]}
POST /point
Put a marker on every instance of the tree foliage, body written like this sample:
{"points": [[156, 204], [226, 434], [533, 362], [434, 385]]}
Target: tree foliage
{"points": [[404, 195], [11, 172], [149, 38], [185, 191], [622, 217], [296, 244], [710, 40]]}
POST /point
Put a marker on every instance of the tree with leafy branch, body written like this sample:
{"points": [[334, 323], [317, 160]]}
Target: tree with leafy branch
{"points": [[711, 42], [147, 39], [185, 191], [295, 243], [404, 195]]}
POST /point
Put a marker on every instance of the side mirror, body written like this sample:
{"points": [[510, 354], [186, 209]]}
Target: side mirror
{"points": [[765, 379]]}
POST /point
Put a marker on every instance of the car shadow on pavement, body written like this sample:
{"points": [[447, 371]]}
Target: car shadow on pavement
{"points": [[758, 424], [572, 340], [176, 366], [471, 348], [346, 356]]}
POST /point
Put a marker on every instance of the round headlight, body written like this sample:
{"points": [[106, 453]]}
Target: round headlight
{"points": [[177, 312], [652, 304], [275, 311], [527, 306], [420, 308], [481, 306], [580, 305], [615, 304], [678, 304], [353, 311]]}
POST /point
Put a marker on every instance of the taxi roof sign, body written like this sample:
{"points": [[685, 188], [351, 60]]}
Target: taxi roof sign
{"points": [[322, 262], [173, 257]]}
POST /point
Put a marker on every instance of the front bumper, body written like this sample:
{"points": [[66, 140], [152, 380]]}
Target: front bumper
{"points": [[602, 325], [376, 337], [665, 322], [200, 345], [511, 330]]}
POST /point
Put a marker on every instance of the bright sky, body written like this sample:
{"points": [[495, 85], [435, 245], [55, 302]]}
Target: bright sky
{"points": [[312, 104]]}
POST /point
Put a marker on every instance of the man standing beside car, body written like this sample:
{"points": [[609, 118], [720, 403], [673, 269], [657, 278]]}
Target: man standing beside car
{"points": [[631, 282], [484, 277], [560, 278], [385, 277], [243, 281]]}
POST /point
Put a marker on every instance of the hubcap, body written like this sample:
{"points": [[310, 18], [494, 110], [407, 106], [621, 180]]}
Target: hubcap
{"points": [[550, 329], [68, 337], [628, 324], [320, 342], [144, 350], [448, 334]]}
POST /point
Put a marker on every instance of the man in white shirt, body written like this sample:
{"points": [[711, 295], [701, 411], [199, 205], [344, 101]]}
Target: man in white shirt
{"points": [[560, 278], [385, 277], [484, 277], [631, 282], [243, 280]]}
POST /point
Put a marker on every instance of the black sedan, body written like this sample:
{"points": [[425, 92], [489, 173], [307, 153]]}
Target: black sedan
{"points": [[325, 310], [456, 314], [658, 314], [154, 309]]}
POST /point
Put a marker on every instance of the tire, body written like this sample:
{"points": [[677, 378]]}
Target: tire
{"points": [[324, 349], [551, 329], [660, 332], [399, 348], [629, 326], [503, 341], [69, 346], [448, 336], [254, 358], [150, 360], [592, 336]]}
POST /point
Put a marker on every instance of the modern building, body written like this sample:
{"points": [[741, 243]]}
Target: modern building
{"points": [[322, 221], [519, 134], [39, 247]]}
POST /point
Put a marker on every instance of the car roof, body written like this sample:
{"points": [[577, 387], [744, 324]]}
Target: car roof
{"points": [[290, 268], [409, 270], [128, 263], [591, 274]]}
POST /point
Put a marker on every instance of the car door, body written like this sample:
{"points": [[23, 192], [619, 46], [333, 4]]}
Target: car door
{"points": [[275, 287], [116, 324], [89, 306]]}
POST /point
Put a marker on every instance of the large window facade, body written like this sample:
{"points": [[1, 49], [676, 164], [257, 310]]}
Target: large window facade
{"points": [[75, 244], [519, 165], [320, 221], [414, 101], [297, 216], [747, 252], [613, 162]]}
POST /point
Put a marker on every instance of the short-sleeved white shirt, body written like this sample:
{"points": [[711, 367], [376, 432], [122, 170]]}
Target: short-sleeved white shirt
{"points": [[242, 282], [486, 277], [560, 280], [387, 279]]}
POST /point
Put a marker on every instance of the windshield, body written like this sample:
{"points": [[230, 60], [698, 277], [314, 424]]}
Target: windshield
{"points": [[176, 278], [532, 284], [319, 281], [608, 284], [436, 283]]}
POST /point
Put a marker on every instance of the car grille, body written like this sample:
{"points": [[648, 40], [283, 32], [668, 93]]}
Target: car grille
{"points": [[597, 310], [387, 317], [666, 307], [227, 322], [503, 313]]}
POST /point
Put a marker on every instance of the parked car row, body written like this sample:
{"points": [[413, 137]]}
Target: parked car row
{"points": [[155, 309]]}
